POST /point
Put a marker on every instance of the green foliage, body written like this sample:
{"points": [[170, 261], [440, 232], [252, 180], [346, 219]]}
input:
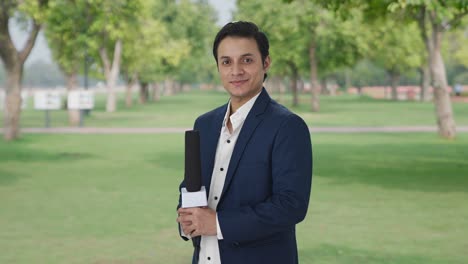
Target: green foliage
{"points": [[33, 9], [288, 44], [455, 49], [172, 39], [396, 46], [297, 25], [193, 23], [67, 33]]}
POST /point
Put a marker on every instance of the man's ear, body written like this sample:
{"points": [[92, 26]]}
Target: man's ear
{"points": [[267, 63]]}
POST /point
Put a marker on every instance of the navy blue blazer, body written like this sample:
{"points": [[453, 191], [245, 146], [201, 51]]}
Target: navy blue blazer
{"points": [[268, 182]]}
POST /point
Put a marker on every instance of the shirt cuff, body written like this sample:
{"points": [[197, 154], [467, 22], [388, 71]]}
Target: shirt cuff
{"points": [[218, 229]]}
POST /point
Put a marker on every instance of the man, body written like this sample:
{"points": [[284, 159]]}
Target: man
{"points": [[256, 162]]}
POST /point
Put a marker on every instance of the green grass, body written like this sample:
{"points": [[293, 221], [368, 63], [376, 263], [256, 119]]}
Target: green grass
{"points": [[377, 198], [182, 109]]}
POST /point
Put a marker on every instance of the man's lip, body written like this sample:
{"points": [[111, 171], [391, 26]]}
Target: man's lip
{"points": [[238, 81]]}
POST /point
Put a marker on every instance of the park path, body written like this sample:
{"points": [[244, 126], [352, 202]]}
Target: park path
{"points": [[166, 130]]}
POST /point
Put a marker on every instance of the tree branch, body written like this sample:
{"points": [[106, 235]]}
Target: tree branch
{"points": [[458, 17], [7, 48], [105, 60], [24, 53], [117, 56]]}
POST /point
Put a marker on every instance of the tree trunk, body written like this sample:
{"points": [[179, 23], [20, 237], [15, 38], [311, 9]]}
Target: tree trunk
{"points": [[323, 86], [425, 71], [129, 90], [443, 105], [348, 80], [293, 84], [111, 72], [12, 111], [275, 84], [168, 86], [177, 87], [144, 92], [73, 114], [282, 89], [425, 82], [156, 92], [394, 81], [314, 84], [300, 85], [13, 60]]}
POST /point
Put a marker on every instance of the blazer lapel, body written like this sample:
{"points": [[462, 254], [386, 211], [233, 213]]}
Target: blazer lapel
{"points": [[254, 118], [211, 145]]}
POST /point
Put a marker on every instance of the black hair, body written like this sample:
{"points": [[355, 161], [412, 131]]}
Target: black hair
{"points": [[243, 29]]}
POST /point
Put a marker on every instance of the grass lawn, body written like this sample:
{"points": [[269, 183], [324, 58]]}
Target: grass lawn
{"points": [[181, 110], [377, 198]]}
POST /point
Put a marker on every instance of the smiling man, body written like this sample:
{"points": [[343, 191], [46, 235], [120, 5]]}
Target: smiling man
{"points": [[256, 162]]}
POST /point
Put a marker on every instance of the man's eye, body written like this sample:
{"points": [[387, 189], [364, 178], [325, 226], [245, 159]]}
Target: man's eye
{"points": [[248, 60], [225, 62]]}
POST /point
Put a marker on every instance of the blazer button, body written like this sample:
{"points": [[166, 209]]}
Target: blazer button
{"points": [[235, 244]]}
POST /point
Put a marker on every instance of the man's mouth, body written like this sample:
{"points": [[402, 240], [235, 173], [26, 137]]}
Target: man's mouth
{"points": [[238, 82]]}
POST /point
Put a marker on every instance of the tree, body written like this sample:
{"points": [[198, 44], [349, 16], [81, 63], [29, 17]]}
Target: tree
{"points": [[111, 22], [434, 18], [441, 16], [190, 24], [195, 22], [395, 47], [13, 60], [66, 31], [304, 30], [287, 42]]}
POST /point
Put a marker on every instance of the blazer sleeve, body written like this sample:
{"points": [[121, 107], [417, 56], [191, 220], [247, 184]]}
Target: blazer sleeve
{"points": [[291, 172]]}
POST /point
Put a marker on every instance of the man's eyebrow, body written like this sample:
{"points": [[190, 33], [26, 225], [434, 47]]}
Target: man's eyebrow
{"points": [[243, 55], [246, 54]]}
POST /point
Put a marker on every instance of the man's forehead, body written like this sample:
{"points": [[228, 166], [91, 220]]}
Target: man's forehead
{"points": [[238, 46]]}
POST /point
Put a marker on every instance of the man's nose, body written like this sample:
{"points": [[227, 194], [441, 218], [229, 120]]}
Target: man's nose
{"points": [[237, 69]]}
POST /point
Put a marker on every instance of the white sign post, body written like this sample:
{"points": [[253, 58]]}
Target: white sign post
{"points": [[24, 99], [47, 100], [80, 100]]}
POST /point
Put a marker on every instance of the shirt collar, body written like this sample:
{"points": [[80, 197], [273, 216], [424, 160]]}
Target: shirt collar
{"points": [[241, 114]]}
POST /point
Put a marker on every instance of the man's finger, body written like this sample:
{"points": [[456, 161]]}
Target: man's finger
{"points": [[185, 210]]}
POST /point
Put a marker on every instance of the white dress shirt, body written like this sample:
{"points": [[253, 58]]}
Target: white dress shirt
{"points": [[209, 250]]}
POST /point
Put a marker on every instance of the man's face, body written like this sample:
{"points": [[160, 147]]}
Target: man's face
{"points": [[241, 68]]}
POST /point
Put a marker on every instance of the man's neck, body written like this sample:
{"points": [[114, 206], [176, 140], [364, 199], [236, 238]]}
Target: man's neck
{"points": [[237, 103]]}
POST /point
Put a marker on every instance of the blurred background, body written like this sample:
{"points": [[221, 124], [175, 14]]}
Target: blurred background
{"points": [[383, 86]]}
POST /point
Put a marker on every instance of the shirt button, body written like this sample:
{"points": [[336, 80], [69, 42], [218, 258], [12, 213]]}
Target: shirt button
{"points": [[209, 258], [228, 141], [216, 197], [221, 169]]}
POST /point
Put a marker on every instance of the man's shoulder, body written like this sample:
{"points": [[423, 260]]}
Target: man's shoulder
{"points": [[282, 116], [209, 116], [280, 111]]}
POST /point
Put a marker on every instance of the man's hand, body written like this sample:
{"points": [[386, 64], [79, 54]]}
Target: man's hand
{"points": [[197, 221]]}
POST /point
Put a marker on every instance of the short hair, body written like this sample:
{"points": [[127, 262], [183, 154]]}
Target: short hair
{"points": [[243, 29]]}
